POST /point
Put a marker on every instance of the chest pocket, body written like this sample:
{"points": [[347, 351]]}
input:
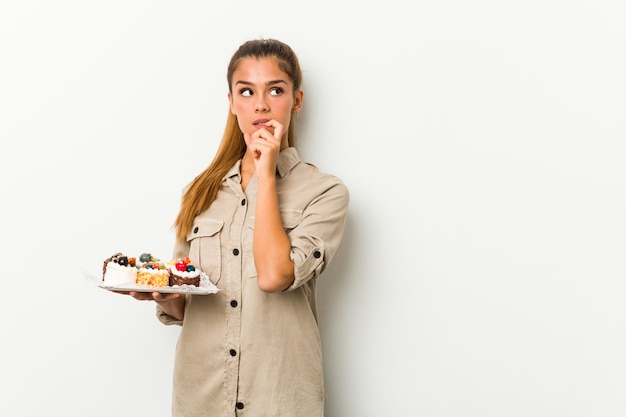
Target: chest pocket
{"points": [[290, 219], [205, 247]]}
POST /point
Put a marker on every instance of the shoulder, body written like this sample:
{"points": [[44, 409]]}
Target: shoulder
{"points": [[305, 177], [319, 180], [308, 168]]}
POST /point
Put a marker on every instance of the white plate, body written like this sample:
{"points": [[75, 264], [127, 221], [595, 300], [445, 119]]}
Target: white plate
{"points": [[206, 286]]}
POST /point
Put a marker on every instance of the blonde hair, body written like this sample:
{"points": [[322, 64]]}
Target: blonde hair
{"points": [[204, 188]]}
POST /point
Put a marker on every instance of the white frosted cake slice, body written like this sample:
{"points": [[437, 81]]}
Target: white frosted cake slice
{"points": [[119, 269]]}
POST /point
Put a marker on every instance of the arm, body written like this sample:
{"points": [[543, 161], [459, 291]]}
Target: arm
{"points": [[271, 246], [171, 304]]}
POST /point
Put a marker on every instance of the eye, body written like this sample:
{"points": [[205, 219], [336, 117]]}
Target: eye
{"points": [[276, 91], [246, 92]]}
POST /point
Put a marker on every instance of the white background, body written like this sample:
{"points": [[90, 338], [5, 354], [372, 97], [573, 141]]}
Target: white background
{"points": [[482, 269]]}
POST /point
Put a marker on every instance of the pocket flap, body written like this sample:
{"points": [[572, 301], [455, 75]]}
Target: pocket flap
{"points": [[205, 228], [291, 218]]}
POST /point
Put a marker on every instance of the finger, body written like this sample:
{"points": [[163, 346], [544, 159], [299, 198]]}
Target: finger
{"points": [[277, 128], [251, 143], [164, 297], [278, 132], [139, 295]]}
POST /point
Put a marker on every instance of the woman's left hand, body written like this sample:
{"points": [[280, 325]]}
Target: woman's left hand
{"points": [[264, 147]]}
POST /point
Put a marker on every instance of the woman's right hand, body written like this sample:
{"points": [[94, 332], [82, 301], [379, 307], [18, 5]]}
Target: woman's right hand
{"points": [[171, 304], [153, 296]]}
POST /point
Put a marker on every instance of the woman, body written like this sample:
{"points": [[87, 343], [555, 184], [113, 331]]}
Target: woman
{"points": [[263, 225]]}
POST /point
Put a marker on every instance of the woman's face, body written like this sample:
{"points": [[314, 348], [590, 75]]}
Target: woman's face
{"points": [[261, 91]]}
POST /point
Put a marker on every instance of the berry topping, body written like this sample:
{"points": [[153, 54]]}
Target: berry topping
{"points": [[145, 257], [181, 265], [122, 260]]}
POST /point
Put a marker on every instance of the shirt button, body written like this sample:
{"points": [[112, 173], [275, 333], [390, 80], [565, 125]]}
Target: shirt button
{"points": [[233, 352], [235, 251], [239, 405], [317, 254], [233, 303], [195, 229], [243, 202]]}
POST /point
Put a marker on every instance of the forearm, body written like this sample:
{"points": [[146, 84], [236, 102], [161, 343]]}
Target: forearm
{"points": [[173, 306], [275, 269]]}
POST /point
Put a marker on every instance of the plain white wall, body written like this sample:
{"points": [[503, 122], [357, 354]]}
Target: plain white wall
{"points": [[482, 270]]}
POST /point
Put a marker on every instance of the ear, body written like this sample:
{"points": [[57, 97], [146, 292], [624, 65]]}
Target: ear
{"points": [[232, 107], [297, 102]]}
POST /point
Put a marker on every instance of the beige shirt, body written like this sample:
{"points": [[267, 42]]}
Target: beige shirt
{"points": [[242, 351]]}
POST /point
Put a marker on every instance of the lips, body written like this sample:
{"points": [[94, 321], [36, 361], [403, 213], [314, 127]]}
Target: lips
{"points": [[260, 122]]}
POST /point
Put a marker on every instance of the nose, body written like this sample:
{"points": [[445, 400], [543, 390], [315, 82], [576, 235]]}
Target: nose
{"points": [[261, 105]]}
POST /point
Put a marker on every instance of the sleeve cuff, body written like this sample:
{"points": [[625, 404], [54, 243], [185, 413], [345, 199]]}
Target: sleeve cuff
{"points": [[308, 268], [167, 319]]}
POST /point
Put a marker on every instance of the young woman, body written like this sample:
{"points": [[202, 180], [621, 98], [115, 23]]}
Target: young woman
{"points": [[264, 226]]}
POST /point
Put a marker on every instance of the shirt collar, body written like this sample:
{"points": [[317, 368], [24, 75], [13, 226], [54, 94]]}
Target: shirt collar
{"points": [[234, 171], [287, 159]]}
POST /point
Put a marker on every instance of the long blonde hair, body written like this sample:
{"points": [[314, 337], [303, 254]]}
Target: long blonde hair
{"points": [[204, 188]]}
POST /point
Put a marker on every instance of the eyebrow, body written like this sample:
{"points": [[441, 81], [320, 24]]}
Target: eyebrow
{"points": [[273, 82]]}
